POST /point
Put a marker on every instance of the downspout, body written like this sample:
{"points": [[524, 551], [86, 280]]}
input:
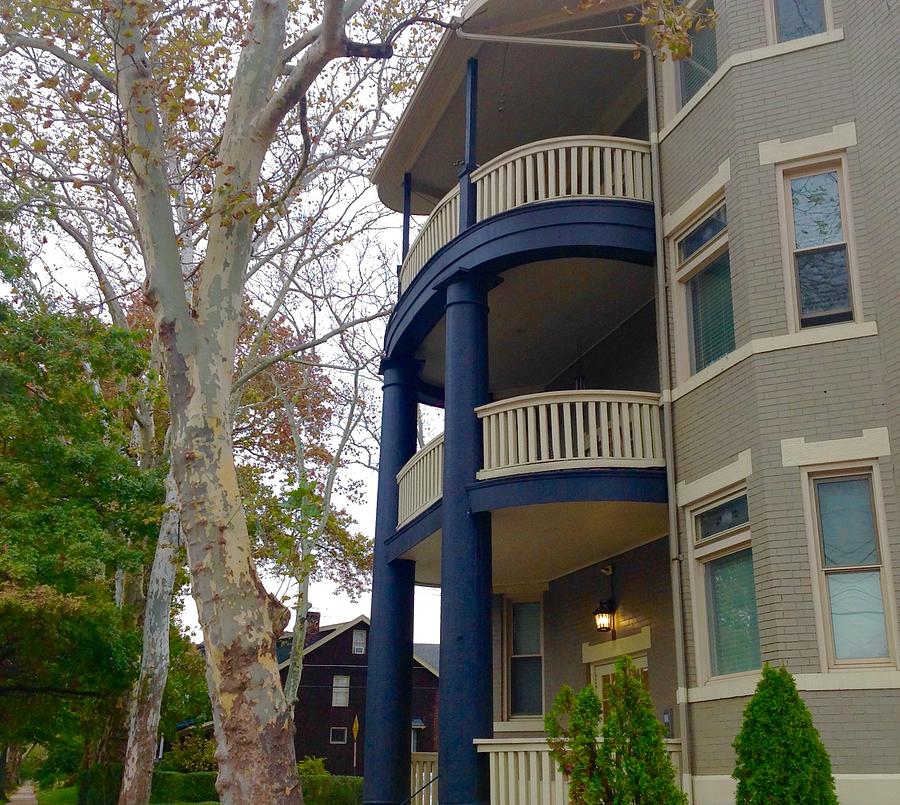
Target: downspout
{"points": [[662, 335]]}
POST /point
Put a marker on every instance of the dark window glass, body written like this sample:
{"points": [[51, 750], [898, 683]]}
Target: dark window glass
{"points": [[712, 317], [799, 18], [823, 286], [526, 684], [734, 632], [702, 234], [696, 69], [723, 517]]}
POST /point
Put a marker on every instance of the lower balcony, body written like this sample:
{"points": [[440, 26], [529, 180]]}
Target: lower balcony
{"points": [[521, 771], [551, 431]]}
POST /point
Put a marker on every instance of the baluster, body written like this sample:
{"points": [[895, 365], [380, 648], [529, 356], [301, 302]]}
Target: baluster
{"points": [[648, 179], [657, 432], [554, 431], [529, 178], [567, 427], [511, 440], [510, 759], [504, 449], [561, 156], [522, 759], [520, 182], [596, 176], [618, 189], [585, 183], [495, 441], [551, 174], [616, 431], [502, 777], [592, 429], [486, 441], [638, 431], [544, 432], [626, 429], [607, 172], [647, 431], [546, 773], [629, 173], [540, 163], [573, 172], [532, 436], [639, 176], [579, 429], [604, 430], [522, 436], [510, 186]]}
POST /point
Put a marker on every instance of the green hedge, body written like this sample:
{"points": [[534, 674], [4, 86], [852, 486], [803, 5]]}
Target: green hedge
{"points": [[100, 785]]}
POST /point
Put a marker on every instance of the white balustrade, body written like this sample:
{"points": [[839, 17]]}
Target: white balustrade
{"points": [[562, 167], [522, 772], [424, 770], [571, 430], [420, 481]]}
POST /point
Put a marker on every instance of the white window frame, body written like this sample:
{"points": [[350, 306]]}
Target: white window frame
{"points": [[809, 167], [359, 641], [340, 691], [331, 739], [820, 593], [772, 23], [508, 603], [700, 553], [682, 273]]}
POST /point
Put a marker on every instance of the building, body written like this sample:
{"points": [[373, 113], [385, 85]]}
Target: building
{"points": [[659, 308], [332, 695]]}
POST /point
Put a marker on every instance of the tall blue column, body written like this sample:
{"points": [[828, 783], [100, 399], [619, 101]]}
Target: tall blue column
{"points": [[389, 685], [465, 682]]}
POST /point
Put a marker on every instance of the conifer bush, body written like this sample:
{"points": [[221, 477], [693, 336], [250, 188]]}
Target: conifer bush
{"points": [[780, 756]]}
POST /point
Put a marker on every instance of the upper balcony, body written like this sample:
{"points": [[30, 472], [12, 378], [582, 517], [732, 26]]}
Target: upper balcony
{"points": [[576, 167]]}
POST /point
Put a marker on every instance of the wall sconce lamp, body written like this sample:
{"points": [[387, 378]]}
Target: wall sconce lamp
{"points": [[604, 615]]}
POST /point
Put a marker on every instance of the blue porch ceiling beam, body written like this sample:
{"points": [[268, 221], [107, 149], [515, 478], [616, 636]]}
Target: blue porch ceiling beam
{"points": [[389, 683]]}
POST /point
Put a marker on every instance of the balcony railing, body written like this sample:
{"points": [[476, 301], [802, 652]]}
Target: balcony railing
{"points": [[421, 481], [571, 430], [563, 167], [557, 430], [424, 769], [522, 771]]}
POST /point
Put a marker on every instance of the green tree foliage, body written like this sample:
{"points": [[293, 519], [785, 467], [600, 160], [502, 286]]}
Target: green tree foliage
{"points": [[630, 766], [186, 697], [780, 756], [193, 751]]}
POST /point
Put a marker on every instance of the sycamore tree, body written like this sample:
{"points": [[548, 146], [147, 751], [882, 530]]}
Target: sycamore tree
{"points": [[180, 146]]}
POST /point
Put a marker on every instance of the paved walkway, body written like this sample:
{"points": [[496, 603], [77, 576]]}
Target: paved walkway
{"points": [[24, 796]]}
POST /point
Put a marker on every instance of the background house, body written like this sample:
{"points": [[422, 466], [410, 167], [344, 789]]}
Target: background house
{"points": [[332, 694]]}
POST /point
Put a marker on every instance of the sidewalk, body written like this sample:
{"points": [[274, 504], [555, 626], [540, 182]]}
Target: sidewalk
{"points": [[24, 796]]}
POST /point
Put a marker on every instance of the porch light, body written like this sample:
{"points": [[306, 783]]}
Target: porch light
{"points": [[603, 616]]}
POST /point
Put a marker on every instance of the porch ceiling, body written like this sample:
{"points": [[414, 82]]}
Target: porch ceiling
{"points": [[536, 544], [526, 93]]}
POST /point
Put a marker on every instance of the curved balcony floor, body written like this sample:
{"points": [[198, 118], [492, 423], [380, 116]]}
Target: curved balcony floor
{"points": [[612, 229]]}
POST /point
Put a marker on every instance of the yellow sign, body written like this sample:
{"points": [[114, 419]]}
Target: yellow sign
{"points": [[355, 727]]}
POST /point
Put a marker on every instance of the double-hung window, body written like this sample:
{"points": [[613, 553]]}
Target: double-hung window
{"points": [[340, 691], [727, 598], [795, 19], [525, 669], [818, 240], [359, 641], [695, 70], [851, 567], [704, 271]]}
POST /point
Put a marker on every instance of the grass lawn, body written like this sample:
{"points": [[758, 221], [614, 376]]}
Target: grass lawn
{"points": [[69, 796]]}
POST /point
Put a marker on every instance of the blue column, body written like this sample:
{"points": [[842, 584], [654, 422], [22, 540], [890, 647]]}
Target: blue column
{"points": [[389, 684], [467, 192], [465, 682]]}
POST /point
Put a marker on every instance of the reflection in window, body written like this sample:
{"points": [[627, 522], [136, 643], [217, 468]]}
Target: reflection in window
{"points": [[525, 668], [696, 69], [722, 518], [798, 18], [851, 562]]}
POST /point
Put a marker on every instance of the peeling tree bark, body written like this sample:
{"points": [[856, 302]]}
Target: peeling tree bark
{"points": [[147, 696]]}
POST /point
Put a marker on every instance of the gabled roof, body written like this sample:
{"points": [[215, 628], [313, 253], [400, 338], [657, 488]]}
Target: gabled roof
{"points": [[429, 662]]}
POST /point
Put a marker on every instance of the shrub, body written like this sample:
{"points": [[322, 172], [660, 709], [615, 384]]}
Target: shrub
{"points": [[312, 766], [630, 766], [332, 790], [100, 785], [779, 754], [192, 752]]}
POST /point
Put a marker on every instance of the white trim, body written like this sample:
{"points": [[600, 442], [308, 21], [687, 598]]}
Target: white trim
{"points": [[674, 220], [747, 57], [840, 137], [813, 335], [729, 475], [612, 649], [834, 680], [520, 725], [874, 443]]}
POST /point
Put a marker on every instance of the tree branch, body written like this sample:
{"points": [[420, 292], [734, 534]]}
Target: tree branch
{"points": [[105, 81]]}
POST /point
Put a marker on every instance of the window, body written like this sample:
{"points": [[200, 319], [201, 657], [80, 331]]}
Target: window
{"points": [[795, 19], [726, 586], [704, 269], [526, 697], [359, 641], [340, 691], [603, 673], [818, 242], [851, 567], [338, 735], [695, 70]]}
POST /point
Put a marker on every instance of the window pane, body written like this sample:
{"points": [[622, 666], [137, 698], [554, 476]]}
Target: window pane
{"points": [[734, 635], [823, 284], [712, 317], [723, 518], [702, 234], [526, 629], [525, 684], [846, 521], [696, 69], [798, 18], [817, 210], [857, 615]]}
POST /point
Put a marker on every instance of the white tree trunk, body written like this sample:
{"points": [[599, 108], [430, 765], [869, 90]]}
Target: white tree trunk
{"points": [[147, 696]]}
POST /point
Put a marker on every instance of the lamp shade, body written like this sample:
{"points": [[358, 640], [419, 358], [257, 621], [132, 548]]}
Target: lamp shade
{"points": [[604, 615]]}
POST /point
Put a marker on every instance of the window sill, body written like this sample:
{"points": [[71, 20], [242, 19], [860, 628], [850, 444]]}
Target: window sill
{"points": [[748, 57], [520, 725]]}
